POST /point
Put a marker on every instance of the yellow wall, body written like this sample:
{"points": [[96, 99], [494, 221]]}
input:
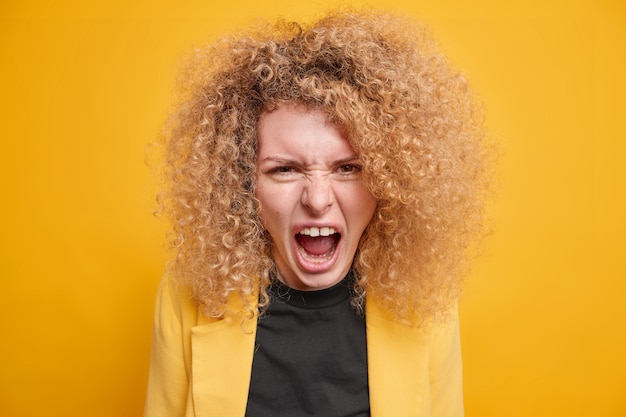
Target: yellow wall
{"points": [[84, 88]]}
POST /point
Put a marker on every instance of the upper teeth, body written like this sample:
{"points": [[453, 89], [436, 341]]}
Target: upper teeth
{"points": [[318, 231]]}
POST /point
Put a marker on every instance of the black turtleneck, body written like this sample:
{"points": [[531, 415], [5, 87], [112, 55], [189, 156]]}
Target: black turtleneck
{"points": [[310, 357]]}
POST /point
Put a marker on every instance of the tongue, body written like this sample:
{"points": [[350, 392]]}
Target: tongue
{"points": [[317, 246]]}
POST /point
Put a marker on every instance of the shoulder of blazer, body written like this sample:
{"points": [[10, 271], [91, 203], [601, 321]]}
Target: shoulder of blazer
{"points": [[200, 366], [187, 311]]}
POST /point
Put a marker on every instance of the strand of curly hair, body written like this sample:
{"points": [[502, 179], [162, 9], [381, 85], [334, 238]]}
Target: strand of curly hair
{"points": [[405, 111]]}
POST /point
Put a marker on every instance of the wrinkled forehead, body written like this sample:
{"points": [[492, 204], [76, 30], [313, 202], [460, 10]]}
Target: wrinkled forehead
{"points": [[301, 107]]}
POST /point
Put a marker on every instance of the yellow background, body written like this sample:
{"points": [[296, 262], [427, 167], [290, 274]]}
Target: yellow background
{"points": [[85, 86]]}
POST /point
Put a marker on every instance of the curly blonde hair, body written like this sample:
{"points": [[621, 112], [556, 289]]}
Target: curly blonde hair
{"points": [[409, 116]]}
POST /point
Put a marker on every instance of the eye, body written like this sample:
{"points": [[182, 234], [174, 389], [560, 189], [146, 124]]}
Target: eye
{"points": [[349, 169], [282, 170]]}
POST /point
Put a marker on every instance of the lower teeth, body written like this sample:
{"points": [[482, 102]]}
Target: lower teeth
{"points": [[316, 258]]}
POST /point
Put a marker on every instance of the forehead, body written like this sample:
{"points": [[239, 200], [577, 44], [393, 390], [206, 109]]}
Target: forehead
{"points": [[297, 130]]}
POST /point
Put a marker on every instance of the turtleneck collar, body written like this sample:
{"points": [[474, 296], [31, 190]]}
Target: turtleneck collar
{"points": [[313, 299]]}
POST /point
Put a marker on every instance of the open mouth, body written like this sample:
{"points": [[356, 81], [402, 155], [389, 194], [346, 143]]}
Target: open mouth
{"points": [[317, 244]]}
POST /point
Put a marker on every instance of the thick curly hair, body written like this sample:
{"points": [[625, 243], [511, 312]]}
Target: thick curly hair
{"points": [[409, 116]]}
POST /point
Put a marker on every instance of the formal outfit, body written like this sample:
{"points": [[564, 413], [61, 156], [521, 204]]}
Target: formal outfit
{"points": [[232, 367]]}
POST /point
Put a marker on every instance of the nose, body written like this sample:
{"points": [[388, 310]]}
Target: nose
{"points": [[318, 194]]}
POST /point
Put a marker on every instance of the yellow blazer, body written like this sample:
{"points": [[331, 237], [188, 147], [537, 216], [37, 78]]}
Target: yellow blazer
{"points": [[201, 367]]}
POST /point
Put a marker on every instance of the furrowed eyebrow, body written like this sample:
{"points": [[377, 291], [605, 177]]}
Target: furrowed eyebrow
{"points": [[350, 159], [280, 160], [285, 161]]}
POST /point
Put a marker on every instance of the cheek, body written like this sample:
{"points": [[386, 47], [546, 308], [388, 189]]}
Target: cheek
{"points": [[262, 193], [269, 201], [358, 206], [265, 209], [363, 196], [366, 207]]}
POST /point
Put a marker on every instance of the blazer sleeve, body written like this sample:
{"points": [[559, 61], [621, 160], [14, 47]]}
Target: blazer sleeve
{"points": [[168, 380], [446, 369]]}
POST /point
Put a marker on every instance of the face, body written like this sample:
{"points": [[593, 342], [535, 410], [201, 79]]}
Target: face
{"points": [[314, 203]]}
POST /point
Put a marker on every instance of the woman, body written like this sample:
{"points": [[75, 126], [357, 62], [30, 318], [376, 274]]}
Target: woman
{"points": [[325, 182]]}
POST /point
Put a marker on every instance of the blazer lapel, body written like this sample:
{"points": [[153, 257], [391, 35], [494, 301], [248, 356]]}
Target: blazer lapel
{"points": [[222, 354], [397, 366]]}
